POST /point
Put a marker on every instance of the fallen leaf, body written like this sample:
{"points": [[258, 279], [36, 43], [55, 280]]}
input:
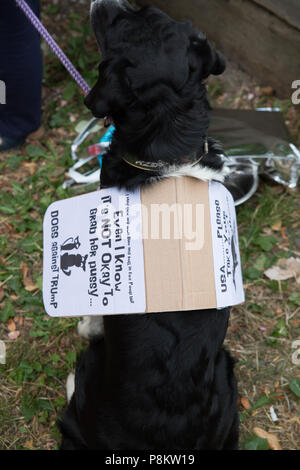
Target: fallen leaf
{"points": [[284, 233], [30, 287], [36, 135], [2, 293], [267, 91], [19, 320], [13, 334], [267, 231], [285, 269], [11, 325], [29, 445], [31, 166], [24, 269], [284, 245], [8, 226], [271, 438], [277, 226], [245, 403], [27, 281]]}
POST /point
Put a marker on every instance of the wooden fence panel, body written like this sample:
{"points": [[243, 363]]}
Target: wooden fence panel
{"points": [[262, 43]]}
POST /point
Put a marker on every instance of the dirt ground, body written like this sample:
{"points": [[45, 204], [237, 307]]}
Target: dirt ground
{"points": [[42, 351]]}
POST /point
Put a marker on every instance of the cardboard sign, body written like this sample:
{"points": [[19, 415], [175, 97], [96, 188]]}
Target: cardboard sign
{"points": [[172, 246]]}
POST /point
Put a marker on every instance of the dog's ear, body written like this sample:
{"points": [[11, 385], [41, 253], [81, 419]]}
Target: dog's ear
{"points": [[99, 99], [210, 60]]}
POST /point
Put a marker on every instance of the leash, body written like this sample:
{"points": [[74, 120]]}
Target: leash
{"points": [[54, 46]]}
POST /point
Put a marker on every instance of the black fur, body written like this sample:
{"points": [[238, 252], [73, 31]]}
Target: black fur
{"points": [[155, 381]]}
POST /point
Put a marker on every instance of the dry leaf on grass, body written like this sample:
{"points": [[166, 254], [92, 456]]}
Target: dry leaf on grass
{"points": [[30, 287], [2, 293], [285, 269], [27, 281], [11, 325], [271, 438], [245, 403], [30, 166], [277, 226], [266, 91], [29, 445], [18, 392], [19, 320], [24, 269], [13, 334], [37, 135]]}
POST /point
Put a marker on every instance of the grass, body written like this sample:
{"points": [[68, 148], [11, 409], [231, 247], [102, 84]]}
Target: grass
{"points": [[263, 330], [43, 351]]}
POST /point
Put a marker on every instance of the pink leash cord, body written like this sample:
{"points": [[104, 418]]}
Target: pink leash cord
{"points": [[54, 46]]}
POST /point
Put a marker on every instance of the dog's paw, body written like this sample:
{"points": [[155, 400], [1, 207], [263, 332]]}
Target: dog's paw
{"points": [[70, 386], [90, 327]]}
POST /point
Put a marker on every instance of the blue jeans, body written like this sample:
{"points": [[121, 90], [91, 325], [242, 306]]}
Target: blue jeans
{"points": [[21, 70]]}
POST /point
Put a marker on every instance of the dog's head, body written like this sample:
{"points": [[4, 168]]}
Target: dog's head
{"points": [[151, 80], [148, 58]]}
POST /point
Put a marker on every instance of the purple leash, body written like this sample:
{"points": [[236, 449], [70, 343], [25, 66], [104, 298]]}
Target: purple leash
{"points": [[54, 46]]}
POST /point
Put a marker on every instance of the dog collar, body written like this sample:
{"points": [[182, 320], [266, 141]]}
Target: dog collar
{"points": [[160, 164]]}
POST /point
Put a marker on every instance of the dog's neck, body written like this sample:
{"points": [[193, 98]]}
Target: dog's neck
{"points": [[116, 172], [160, 166], [176, 136]]}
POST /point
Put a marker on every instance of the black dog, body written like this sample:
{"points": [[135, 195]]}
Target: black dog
{"points": [[154, 381]]}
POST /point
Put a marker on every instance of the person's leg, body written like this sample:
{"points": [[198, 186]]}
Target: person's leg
{"points": [[20, 70]]}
